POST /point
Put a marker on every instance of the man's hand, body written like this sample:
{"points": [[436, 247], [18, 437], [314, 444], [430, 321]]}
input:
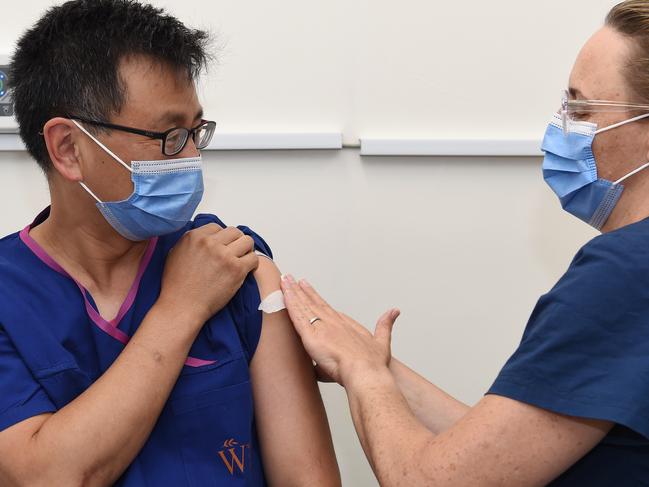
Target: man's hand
{"points": [[206, 268], [341, 347]]}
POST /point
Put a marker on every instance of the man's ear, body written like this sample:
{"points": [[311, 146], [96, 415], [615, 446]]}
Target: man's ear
{"points": [[61, 135]]}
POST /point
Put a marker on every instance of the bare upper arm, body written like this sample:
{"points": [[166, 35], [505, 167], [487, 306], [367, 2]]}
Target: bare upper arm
{"points": [[509, 443], [16, 464], [291, 419]]}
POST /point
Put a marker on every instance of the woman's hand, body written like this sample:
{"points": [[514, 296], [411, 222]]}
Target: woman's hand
{"points": [[342, 348]]}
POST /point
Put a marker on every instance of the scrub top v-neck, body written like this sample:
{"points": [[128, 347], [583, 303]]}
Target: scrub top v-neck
{"points": [[54, 344]]}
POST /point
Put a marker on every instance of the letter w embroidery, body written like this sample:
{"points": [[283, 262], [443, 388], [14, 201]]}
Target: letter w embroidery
{"points": [[230, 447]]}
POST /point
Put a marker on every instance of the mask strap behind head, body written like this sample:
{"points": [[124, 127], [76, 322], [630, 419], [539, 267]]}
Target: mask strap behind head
{"points": [[110, 153]]}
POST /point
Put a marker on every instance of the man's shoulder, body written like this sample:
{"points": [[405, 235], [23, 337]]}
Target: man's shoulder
{"points": [[9, 239], [205, 218], [16, 266], [9, 246]]}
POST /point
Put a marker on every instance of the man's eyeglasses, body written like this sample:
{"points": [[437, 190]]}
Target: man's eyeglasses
{"points": [[173, 140]]}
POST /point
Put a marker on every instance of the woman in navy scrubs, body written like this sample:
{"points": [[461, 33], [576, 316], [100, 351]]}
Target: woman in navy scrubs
{"points": [[132, 348], [571, 406]]}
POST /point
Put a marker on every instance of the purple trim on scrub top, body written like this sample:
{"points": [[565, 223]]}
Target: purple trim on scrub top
{"points": [[109, 327], [40, 252]]}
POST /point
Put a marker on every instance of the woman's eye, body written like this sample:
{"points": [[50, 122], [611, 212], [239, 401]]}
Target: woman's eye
{"points": [[578, 115]]}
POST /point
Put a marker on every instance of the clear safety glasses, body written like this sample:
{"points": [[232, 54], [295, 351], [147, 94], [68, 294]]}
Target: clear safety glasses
{"points": [[576, 110]]}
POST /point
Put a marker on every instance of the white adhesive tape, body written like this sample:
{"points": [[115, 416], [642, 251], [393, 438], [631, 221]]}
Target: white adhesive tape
{"points": [[273, 303]]}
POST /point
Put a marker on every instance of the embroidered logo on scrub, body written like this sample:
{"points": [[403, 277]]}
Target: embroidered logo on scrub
{"points": [[234, 455]]}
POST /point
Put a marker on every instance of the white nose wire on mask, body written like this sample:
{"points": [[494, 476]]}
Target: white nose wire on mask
{"points": [[110, 153], [623, 122]]}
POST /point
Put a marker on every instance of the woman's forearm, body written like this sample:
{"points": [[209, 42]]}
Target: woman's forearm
{"points": [[92, 440], [392, 438], [436, 409]]}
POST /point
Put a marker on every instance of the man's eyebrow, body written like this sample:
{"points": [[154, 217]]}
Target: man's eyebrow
{"points": [[178, 118]]}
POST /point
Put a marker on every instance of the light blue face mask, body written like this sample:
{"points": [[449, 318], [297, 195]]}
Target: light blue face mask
{"points": [[165, 195], [570, 170]]}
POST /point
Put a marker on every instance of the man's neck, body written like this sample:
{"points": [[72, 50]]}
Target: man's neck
{"points": [[94, 254]]}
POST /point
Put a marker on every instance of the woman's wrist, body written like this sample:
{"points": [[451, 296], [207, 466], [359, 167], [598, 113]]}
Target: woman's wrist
{"points": [[362, 375]]}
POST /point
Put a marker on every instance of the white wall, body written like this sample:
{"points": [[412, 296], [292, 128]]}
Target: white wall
{"points": [[381, 68], [464, 246]]}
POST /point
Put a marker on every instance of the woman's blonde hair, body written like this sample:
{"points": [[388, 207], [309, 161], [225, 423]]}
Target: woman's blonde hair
{"points": [[631, 18]]}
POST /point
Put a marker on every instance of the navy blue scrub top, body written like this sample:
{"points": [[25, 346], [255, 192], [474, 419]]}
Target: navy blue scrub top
{"points": [[54, 345], [585, 353]]}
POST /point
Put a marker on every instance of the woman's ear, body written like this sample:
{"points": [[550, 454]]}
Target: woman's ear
{"points": [[61, 135]]}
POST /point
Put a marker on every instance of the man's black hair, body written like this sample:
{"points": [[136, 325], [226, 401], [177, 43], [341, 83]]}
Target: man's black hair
{"points": [[68, 62]]}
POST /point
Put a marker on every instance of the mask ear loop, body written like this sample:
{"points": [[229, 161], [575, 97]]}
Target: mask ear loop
{"points": [[90, 192], [114, 156], [619, 124], [110, 153], [641, 168]]}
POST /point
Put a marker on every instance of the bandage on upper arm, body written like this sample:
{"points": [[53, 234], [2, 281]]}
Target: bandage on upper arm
{"points": [[274, 302]]}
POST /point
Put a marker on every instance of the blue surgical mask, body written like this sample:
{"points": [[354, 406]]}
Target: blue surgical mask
{"points": [[165, 195], [570, 169]]}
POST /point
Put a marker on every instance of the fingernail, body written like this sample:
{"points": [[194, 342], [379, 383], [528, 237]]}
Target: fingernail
{"points": [[306, 283], [290, 279]]}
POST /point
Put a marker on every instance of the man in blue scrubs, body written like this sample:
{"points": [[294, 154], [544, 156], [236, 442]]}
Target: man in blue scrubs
{"points": [[571, 406], [132, 348]]}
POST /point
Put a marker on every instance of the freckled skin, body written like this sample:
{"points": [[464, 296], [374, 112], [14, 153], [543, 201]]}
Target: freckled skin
{"points": [[499, 441], [598, 74]]}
